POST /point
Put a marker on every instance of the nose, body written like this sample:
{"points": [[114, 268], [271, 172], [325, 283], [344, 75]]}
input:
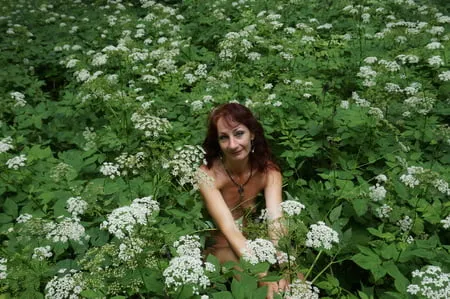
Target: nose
{"points": [[233, 143]]}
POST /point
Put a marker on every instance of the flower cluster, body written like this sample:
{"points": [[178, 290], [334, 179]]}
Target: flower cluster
{"points": [[110, 169], [67, 229], [188, 268], [410, 179], [377, 192], [62, 170], [185, 164], [16, 162], [383, 211], [42, 253], [3, 268], [76, 206], [405, 224], [23, 218], [259, 251], [152, 125], [130, 248], [188, 245], [6, 144], [68, 286], [300, 289], [292, 207], [321, 236], [90, 136], [121, 221], [131, 163], [446, 222], [19, 98], [431, 283]]}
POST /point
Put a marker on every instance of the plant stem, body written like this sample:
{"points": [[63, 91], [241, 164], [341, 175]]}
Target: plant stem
{"points": [[313, 264]]}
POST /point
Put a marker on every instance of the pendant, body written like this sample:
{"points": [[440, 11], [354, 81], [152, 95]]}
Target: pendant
{"points": [[240, 190]]}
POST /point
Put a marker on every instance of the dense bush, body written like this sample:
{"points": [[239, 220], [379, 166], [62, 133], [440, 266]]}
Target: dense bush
{"points": [[105, 104]]}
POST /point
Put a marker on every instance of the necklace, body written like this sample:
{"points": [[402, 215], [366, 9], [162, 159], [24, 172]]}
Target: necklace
{"points": [[240, 186]]}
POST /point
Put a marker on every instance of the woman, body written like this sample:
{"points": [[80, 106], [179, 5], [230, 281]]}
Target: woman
{"points": [[241, 165]]}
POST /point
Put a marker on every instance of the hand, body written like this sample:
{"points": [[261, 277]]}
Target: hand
{"points": [[272, 287]]}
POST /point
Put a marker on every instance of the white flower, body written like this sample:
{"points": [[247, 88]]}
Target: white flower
{"points": [[434, 46], [152, 126], [3, 268], [300, 289], [445, 76], [16, 162], [442, 186], [292, 207], [99, 59], [186, 270], [284, 258], [435, 61], [76, 206], [185, 164], [130, 248], [42, 253], [430, 282], [446, 222], [23, 218], [6, 144], [188, 245], [68, 286], [110, 169], [67, 229], [375, 111], [122, 221], [259, 251], [384, 211], [377, 193], [381, 178], [321, 236], [345, 104], [19, 98], [405, 224], [370, 60], [82, 75], [392, 88], [253, 56]]}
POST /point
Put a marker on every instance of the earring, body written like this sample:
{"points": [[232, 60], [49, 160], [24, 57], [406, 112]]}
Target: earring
{"points": [[252, 146]]}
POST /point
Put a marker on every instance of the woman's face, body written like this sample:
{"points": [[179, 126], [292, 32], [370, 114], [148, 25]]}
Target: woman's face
{"points": [[234, 139]]}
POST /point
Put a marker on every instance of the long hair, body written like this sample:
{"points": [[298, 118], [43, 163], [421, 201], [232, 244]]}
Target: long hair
{"points": [[261, 158]]}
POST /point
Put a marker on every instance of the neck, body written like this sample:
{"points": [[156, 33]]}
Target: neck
{"points": [[238, 167]]}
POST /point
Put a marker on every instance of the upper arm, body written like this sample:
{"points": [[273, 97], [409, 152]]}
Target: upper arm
{"points": [[272, 193], [221, 214]]}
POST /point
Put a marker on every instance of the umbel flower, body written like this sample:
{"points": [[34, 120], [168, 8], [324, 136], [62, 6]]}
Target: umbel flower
{"points": [[431, 282], [121, 221], [300, 289], [321, 236], [259, 251], [188, 268]]}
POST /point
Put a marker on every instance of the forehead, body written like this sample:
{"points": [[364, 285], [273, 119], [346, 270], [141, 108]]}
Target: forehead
{"points": [[225, 124]]}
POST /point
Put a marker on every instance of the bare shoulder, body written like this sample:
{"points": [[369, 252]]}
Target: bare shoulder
{"points": [[273, 176]]}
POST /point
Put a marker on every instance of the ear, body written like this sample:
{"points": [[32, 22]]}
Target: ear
{"points": [[252, 136]]}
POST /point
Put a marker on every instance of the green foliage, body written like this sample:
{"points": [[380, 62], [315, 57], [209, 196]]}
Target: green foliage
{"points": [[85, 83]]}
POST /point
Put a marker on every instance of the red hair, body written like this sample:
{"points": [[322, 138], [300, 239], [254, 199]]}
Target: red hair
{"points": [[261, 158]]}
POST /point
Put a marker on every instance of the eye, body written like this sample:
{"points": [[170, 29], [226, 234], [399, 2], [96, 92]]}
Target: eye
{"points": [[239, 133], [223, 137]]}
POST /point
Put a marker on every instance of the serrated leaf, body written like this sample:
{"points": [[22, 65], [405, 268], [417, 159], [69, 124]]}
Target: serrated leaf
{"points": [[360, 205], [10, 208]]}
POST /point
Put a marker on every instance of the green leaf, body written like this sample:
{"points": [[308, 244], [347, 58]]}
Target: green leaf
{"points": [[367, 262], [5, 218], [335, 214], [10, 208], [401, 282], [222, 295], [90, 294], [389, 252], [237, 289], [360, 206]]}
